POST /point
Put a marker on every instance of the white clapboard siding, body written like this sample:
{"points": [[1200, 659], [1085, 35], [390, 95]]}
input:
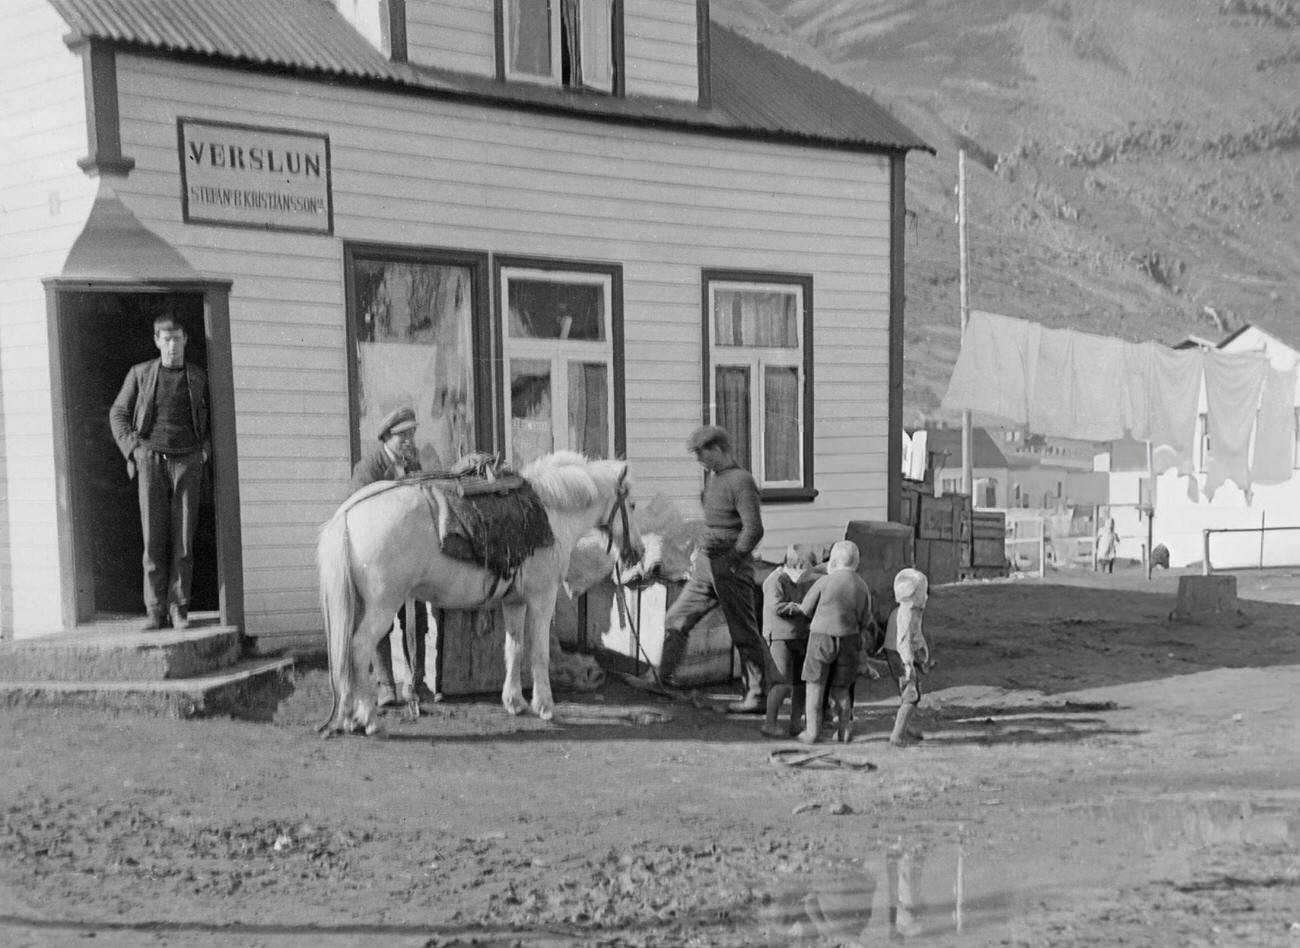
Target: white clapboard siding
{"points": [[430, 173], [45, 199], [459, 35], [661, 41]]}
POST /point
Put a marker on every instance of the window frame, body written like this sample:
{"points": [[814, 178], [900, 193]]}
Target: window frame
{"points": [[802, 285], [561, 352], [555, 79], [480, 332]]}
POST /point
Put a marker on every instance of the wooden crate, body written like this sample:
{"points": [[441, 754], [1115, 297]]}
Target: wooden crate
{"points": [[989, 540], [937, 518], [938, 560], [470, 657]]}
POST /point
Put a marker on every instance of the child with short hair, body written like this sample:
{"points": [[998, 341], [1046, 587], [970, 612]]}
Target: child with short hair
{"points": [[839, 607], [906, 650], [785, 629]]}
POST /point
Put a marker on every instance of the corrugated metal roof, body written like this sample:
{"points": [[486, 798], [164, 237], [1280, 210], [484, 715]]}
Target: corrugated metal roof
{"points": [[754, 89], [306, 35]]}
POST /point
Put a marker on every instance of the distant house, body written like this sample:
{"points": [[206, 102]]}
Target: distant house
{"points": [[1182, 510], [545, 224], [1004, 477]]}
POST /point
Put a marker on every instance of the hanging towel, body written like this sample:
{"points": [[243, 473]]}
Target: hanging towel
{"points": [[1100, 387], [1232, 385], [991, 368], [1275, 430], [1173, 393], [1051, 384]]}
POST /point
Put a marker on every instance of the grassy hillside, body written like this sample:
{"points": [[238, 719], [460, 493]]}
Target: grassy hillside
{"points": [[1133, 166]]}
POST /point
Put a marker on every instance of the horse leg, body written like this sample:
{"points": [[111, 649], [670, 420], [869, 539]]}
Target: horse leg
{"points": [[374, 624], [512, 692], [539, 616]]}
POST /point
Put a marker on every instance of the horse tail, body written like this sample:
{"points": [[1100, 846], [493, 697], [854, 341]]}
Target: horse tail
{"points": [[338, 601]]}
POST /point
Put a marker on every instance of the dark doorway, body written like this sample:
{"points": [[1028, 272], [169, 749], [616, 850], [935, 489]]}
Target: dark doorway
{"points": [[103, 334]]}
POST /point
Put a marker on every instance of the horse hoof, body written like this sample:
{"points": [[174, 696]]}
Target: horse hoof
{"points": [[546, 714]]}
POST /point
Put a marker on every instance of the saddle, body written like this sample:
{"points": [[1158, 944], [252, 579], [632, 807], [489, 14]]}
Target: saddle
{"points": [[493, 517]]}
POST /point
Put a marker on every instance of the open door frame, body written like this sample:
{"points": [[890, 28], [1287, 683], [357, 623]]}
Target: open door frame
{"points": [[225, 461]]}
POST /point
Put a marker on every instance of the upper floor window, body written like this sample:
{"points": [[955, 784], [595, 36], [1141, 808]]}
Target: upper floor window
{"points": [[759, 366], [573, 43]]}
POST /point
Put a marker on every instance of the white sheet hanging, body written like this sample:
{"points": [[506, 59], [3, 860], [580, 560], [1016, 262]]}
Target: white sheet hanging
{"points": [[1275, 431]]}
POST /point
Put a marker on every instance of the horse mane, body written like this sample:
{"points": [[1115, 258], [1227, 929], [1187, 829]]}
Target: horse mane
{"points": [[567, 480]]}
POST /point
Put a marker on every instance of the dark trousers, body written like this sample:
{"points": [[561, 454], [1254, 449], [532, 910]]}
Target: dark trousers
{"points": [[169, 486], [384, 664], [717, 581]]}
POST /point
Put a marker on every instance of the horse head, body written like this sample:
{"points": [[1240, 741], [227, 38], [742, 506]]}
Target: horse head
{"points": [[618, 523]]}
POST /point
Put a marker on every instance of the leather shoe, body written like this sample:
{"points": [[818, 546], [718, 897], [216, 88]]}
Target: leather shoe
{"points": [[750, 704], [387, 697], [153, 622], [180, 617]]}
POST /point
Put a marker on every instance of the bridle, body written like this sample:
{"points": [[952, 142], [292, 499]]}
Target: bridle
{"points": [[618, 508]]}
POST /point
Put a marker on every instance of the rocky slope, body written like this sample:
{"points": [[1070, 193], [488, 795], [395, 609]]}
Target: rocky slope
{"points": [[1133, 166]]}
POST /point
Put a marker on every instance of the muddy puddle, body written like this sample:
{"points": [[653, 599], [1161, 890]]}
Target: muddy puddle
{"points": [[974, 888]]}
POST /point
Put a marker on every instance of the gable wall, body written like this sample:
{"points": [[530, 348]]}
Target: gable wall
{"points": [[660, 42], [427, 173]]}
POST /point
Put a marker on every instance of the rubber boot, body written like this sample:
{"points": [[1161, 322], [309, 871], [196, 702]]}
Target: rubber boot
{"points": [[797, 700], [843, 702], [812, 732], [775, 698], [669, 658], [900, 736]]}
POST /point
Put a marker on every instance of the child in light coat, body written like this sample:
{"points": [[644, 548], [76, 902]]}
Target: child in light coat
{"points": [[906, 650]]}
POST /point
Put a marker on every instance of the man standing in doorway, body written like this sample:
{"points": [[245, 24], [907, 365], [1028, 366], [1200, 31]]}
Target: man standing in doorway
{"points": [[160, 422], [724, 574], [396, 457]]}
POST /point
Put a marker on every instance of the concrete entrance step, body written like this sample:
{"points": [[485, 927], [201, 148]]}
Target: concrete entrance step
{"points": [[223, 691], [118, 651]]}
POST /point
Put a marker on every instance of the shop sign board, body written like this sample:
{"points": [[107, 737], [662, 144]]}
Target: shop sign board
{"points": [[247, 176]]}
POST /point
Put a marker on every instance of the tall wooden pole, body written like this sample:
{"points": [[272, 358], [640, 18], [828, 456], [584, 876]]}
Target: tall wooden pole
{"points": [[967, 438]]}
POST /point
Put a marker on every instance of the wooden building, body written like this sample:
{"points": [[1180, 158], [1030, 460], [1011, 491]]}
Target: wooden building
{"points": [[590, 224]]}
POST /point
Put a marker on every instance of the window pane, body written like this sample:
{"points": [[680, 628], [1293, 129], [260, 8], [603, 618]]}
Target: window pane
{"points": [[546, 309], [755, 318], [589, 409], [781, 443], [597, 26], [414, 347], [531, 431], [530, 36], [731, 390]]}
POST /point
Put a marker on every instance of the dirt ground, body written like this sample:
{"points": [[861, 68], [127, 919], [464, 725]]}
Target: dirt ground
{"points": [[1093, 774]]}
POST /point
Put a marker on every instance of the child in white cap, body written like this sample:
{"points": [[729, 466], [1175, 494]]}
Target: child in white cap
{"points": [[906, 650]]}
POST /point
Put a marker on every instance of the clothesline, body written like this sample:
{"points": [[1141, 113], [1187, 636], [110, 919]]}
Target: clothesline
{"points": [[1065, 383]]}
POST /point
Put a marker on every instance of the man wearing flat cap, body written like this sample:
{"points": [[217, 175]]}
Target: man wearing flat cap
{"points": [[396, 458], [724, 574]]}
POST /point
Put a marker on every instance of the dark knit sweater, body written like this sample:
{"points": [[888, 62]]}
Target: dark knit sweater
{"points": [[732, 512]]}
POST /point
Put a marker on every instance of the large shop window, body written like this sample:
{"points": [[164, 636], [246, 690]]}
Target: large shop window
{"points": [[560, 42], [558, 347], [758, 345], [413, 315]]}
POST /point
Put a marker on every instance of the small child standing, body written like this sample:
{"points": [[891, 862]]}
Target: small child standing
{"points": [[839, 607], [1107, 546], [906, 650], [785, 629]]}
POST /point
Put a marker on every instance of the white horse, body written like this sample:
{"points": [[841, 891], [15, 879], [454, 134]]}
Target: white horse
{"points": [[383, 545]]}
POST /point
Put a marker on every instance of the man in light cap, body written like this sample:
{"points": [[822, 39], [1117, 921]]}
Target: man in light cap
{"points": [[395, 458], [724, 575]]}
